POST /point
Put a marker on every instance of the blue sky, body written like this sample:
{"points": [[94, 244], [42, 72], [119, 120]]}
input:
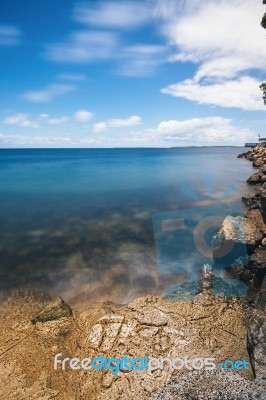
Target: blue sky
{"points": [[154, 73]]}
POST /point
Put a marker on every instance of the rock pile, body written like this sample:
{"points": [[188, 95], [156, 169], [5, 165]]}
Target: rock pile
{"points": [[256, 213]]}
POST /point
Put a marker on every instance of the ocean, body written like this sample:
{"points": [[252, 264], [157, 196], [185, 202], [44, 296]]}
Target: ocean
{"points": [[79, 222]]}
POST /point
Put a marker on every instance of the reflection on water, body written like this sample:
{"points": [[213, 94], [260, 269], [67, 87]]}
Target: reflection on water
{"points": [[79, 222]]}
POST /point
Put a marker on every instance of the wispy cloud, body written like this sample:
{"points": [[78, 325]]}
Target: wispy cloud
{"points": [[83, 47], [9, 35], [21, 120], [48, 94], [141, 59], [43, 119], [109, 42], [115, 14], [117, 123]]}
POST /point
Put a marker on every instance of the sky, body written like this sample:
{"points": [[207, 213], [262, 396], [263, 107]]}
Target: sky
{"points": [[150, 73]]}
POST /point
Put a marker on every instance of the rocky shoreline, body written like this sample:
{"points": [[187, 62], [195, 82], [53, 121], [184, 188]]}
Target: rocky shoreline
{"points": [[33, 329], [257, 260]]}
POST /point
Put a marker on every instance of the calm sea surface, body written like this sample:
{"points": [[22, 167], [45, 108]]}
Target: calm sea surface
{"points": [[78, 222]]}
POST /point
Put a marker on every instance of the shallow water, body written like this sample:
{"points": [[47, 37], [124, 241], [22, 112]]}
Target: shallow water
{"points": [[79, 221]]}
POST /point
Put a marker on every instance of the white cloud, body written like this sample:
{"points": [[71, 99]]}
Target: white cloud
{"points": [[9, 35], [83, 115], [225, 38], [117, 123], [99, 127], [82, 47], [202, 131], [123, 15], [220, 30], [47, 94], [120, 123], [241, 93], [21, 120]]}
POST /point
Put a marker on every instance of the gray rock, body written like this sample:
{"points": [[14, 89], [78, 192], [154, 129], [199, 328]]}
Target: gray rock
{"points": [[257, 341], [55, 310], [212, 385]]}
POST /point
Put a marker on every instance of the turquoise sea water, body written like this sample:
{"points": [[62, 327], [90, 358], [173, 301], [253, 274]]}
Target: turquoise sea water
{"points": [[79, 221]]}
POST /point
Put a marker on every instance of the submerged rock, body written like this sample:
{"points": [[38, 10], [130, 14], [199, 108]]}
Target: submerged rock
{"points": [[188, 291], [55, 310]]}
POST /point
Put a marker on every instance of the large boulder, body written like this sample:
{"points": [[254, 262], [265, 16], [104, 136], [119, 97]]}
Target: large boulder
{"points": [[256, 178], [152, 326], [263, 168], [257, 219], [236, 232], [257, 162]]}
